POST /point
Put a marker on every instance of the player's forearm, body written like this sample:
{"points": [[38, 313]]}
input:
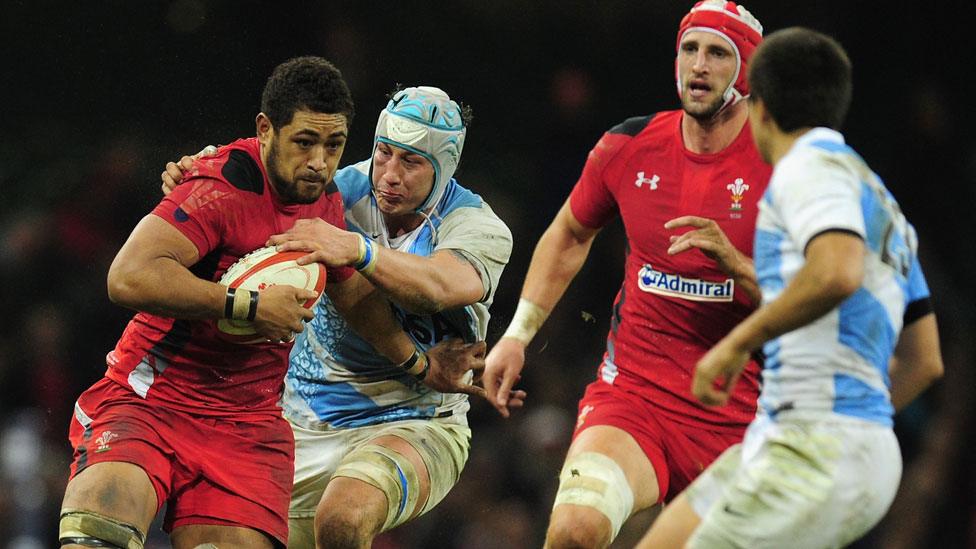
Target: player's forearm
{"points": [[151, 274], [164, 287], [833, 270], [557, 259], [908, 381], [426, 285], [745, 279], [917, 361], [814, 292], [368, 313]]}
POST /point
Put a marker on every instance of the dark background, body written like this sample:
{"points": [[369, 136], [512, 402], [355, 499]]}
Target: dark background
{"points": [[97, 96]]}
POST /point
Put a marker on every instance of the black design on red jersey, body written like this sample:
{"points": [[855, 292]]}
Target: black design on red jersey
{"points": [[243, 172], [207, 267], [174, 340], [632, 126]]}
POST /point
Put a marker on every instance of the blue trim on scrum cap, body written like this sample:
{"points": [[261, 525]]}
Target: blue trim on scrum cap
{"points": [[427, 122], [442, 118]]}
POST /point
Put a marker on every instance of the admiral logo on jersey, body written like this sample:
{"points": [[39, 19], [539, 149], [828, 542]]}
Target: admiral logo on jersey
{"points": [[673, 285]]}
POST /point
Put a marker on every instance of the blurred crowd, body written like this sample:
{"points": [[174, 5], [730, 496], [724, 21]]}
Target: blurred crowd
{"points": [[80, 167]]}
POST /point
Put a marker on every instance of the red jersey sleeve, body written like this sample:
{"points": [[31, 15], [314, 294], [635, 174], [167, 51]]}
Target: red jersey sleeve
{"points": [[592, 201], [196, 209]]}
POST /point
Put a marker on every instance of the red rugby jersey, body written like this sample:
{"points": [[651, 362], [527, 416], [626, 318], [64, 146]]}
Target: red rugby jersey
{"points": [[671, 309], [227, 208]]}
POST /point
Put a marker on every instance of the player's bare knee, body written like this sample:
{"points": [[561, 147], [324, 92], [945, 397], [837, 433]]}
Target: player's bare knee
{"points": [[572, 526], [343, 519], [342, 529]]}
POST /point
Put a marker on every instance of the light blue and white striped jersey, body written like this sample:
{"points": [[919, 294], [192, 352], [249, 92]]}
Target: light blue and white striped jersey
{"points": [[335, 378], [839, 363]]}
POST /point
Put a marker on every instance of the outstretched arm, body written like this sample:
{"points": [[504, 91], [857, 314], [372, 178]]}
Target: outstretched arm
{"points": [[442, 368], [558, 256], [833, 270], [423, 285], [369, 315]]}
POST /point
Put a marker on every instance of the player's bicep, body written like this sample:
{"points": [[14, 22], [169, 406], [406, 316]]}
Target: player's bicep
{"points": [[918, 346], [154, 252], [478, 238], [153, 239], [567, 223], [835, 258]]}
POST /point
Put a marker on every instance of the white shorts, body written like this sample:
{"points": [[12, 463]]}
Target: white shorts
{"points": [[443, 446], [797, 484]]}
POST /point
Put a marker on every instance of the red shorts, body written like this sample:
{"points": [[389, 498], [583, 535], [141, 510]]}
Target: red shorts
{"points": [[678, 452], [207, 470]]}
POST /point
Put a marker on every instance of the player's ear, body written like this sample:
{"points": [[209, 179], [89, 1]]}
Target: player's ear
{"points": [[758, 113], [263, 128], [764, 114]]}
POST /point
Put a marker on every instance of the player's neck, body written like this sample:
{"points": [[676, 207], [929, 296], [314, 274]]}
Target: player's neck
{"points": [[398, 225], [714, 135], [781, 143]]}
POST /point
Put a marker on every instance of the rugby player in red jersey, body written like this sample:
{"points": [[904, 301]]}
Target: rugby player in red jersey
{"points": [[183, 416], [681, 181]]}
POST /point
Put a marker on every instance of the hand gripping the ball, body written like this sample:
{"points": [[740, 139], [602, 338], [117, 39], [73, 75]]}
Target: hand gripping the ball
{"points": [[261, 271], [280, 313]]}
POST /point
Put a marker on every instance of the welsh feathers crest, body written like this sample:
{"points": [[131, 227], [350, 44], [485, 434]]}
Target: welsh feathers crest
{"points": [[738, 188]]}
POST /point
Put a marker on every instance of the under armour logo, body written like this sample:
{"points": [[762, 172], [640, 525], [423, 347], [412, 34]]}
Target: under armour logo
{"points": [[652, 182], [574, 472]]}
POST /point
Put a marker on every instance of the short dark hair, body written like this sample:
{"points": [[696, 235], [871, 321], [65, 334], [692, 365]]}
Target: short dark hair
{"points": [[803, 77], [305, 83]]}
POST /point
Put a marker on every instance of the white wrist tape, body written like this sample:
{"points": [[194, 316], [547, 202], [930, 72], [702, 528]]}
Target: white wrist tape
{"points": [[526, 322]]}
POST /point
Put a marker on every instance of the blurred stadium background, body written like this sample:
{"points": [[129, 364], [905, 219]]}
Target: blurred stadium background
{"points": [[97, 96]]}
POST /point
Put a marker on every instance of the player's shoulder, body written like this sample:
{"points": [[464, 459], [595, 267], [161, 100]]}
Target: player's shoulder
{"points": [[821, 161], [353, 181], [630, 135], [638, 131], [640, 125], [461, 206], [457, 196]]}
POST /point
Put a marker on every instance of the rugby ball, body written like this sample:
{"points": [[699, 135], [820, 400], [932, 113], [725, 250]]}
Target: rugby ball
{"points": [[261, 269]]}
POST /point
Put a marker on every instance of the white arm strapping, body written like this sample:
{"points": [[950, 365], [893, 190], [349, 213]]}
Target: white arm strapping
{"points": [[526, 322]]}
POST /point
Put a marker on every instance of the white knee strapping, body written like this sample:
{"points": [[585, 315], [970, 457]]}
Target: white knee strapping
{"points": [[78, 526], [391, 472], [591, 479]]}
